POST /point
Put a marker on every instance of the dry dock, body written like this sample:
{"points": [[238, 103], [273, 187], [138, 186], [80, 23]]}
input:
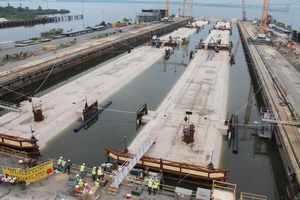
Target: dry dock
{"points": [[278, 80], [37, 69], [202, 90], [64, 105]]}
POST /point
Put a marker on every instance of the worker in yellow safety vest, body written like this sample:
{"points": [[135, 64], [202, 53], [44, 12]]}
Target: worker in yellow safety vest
{"points": [[82, 169], [94, 172], [63, 164], [150, 183], [155, 187], [77, 178], [80, 184], [97, 183], [59, 163], [100, 173]]}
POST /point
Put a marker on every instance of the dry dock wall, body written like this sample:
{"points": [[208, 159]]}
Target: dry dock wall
{"points": [[38, 70], [283, 141]]}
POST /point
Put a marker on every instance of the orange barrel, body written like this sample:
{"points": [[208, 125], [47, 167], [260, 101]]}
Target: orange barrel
{"points": [[77, 188], [289, 46], [293, 48]]}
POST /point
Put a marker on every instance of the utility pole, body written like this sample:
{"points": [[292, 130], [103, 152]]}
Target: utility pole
{"points": [[103, 15]]}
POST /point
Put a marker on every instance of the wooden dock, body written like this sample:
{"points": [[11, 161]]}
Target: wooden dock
{"points": [[174, 170], [22, 144]]}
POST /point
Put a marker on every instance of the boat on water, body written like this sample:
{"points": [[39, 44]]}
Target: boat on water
{"points": [[21, 144]]}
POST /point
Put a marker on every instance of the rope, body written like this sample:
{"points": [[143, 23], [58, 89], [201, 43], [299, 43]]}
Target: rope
{"points": [[121, 111], [46, 78], [249, 100], [11, 90]]}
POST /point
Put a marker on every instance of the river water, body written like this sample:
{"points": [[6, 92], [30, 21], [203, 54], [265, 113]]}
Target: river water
{"points": [[257, 168], [94, 13]]}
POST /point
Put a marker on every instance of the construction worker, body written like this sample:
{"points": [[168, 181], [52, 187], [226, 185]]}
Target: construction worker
{"points": [[150, 184], [82, 169], [80, 184], [94, 172], [63, 164], [97, 183], [69, 166], [100, 173], [59, 163], [77, 178], [155, 187]]}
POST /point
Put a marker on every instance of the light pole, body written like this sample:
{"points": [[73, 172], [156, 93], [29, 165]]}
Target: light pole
{"points": [[103, 15], [82, 15], [125, 150]]}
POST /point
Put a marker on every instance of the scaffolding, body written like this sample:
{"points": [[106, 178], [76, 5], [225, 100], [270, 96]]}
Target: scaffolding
{"points": [[266, 123]]}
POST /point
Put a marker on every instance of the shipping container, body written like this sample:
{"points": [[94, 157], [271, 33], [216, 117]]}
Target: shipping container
{"points": [[114, 24], [122, 24]]}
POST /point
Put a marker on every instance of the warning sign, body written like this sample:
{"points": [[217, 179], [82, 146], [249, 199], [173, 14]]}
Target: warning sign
{"points": [[32, 174]]}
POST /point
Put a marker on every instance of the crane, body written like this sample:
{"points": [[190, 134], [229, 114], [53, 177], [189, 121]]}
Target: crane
{"points": [[167, 8], [187, 5], [264, 17], [244, 11]]}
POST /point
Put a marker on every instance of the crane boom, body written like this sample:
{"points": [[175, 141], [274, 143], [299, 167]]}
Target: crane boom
{"points": [[264, 17], [167, 8], [244, 11]]}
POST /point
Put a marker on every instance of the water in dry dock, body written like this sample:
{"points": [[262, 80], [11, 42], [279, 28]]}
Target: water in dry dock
{"points": [[256, 168], [151, 86]]}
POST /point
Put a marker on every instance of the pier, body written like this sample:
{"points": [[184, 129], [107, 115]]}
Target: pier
{"points": [[42, 20], [281, 95]]}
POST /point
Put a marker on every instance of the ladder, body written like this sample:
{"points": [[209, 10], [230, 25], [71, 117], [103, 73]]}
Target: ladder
{"points": [[132, 160], [8, 106]]}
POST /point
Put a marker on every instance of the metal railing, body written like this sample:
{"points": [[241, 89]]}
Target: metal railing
{"points": [[132, 160], [13, 151], [9, 106]]}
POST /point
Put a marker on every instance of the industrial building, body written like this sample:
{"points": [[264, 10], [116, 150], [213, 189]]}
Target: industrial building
{"points": [[150, 15]]}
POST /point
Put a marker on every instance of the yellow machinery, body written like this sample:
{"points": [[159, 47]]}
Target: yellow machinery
{"points": [[167, 8], [264, 17]]}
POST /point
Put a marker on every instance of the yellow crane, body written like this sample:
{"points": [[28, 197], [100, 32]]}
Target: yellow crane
{"points": [[264, 17], [167, 8]]}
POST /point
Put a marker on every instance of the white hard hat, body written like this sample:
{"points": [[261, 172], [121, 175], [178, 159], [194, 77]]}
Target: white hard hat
{"points": [[61, 157], [77, 174], [85, 184], [80, 179], [97, 179], [83, 163], [99, 167], [95, 167]]}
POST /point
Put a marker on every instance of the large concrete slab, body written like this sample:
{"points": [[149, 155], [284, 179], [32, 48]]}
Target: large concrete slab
{"points": [[64, 105], [203, 90]]}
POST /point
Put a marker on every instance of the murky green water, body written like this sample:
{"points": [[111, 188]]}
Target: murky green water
{"points": [[257, 168]]}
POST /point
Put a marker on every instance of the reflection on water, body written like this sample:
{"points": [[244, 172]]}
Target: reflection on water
{"points": [[151, 86], [257, 168]]}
